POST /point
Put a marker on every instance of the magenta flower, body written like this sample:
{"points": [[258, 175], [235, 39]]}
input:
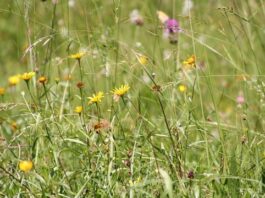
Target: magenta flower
{"points": [[172, 26], [171, 30]]}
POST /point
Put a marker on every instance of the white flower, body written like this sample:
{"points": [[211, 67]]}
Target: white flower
{"points": [[71, 3], [188, 4], [136, 18]]}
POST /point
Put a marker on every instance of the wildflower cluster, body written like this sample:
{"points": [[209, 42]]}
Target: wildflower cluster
{"points": [[15, 79], [117, 93]]}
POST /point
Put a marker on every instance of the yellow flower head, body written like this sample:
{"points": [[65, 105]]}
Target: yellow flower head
{"points": [[96, 98], [14, 126], [77, 56], [2, 91], [142, 59], [182, 88], [25, 166], [42, 79], [190, 61], [119, 92], [78, 109], [27, 76], [14, 80]]}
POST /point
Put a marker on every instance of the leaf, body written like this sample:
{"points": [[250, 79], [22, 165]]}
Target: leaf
{"points": [[8, 106], [263, 180], [81, 189], [75, 141], [233, 183], [167, 182]]}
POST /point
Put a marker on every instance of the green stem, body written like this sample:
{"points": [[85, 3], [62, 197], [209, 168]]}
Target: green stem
{"points": [[27, 83]]}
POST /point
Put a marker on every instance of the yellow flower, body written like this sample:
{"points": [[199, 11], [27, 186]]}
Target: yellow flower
{"points": [[78, 109], [77, 56], [25, 166], [14, 126], [96, 98], [42, 79], [14, 80], [121, 91], [190, 61], [118, 92], [2, 91], [27, 76], [163, 17], [182, 88], [137, 181], [142, 59]]}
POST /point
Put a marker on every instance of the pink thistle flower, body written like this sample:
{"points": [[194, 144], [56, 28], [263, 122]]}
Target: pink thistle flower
{"points": [[240, 99], [172, 26], [171, 30]]}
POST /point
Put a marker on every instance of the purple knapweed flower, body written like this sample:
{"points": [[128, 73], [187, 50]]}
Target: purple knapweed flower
{"points": [[171, 30], [172, 26]]}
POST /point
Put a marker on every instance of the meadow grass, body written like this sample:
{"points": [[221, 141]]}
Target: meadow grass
{"points": [[112, 108]]}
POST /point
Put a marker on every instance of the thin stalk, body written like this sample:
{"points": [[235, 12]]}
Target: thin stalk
{"points": [[170, 136], [27, 83]]}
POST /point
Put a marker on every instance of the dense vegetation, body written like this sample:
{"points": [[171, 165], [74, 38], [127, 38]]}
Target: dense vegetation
{"points": [[119, 98]]}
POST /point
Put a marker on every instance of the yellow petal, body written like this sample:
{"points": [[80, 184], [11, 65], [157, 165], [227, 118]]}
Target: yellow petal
{"points": [[163, 17]]}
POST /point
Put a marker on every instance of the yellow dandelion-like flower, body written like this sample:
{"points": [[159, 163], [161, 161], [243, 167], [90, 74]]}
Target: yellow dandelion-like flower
{"points": [[27, 76], [182, 88], [77, 56], [42, 79], [2, 91], [96, 98], [25, 166], [142, 59], [78, 109], [190, 61], [119, 92], [14, 80]]}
